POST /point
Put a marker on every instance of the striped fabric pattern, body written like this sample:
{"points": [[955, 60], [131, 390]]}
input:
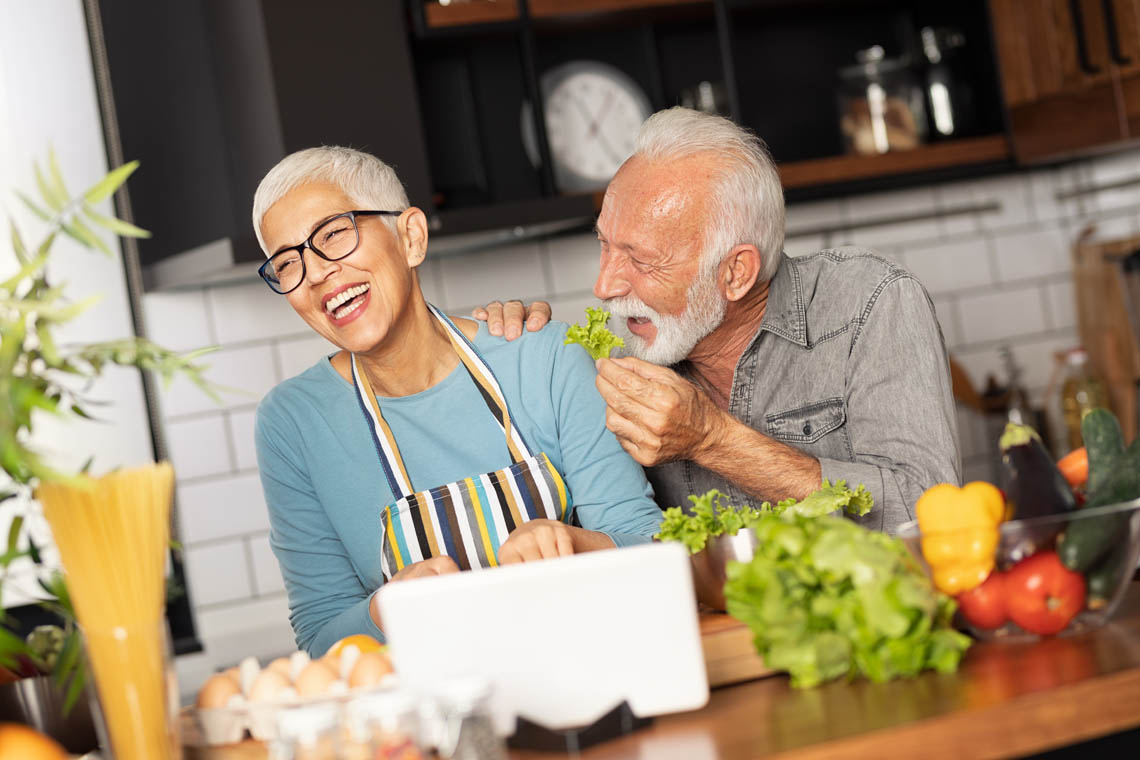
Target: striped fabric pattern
{"points": [[470, 519]]}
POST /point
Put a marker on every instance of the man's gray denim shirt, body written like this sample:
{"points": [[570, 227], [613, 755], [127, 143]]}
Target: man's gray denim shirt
{"points": [[848, 365]]}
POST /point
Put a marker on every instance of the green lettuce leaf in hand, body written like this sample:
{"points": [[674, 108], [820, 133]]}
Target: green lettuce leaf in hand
{"points": [[594, 337]]}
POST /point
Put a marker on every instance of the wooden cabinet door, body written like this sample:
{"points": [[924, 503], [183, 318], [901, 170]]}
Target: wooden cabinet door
{"points": [[1058, 77], [1125, 39]]}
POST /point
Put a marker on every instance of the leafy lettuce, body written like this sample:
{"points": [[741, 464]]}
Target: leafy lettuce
{"points": [[710, 514], [826, 598], [594, 337]]}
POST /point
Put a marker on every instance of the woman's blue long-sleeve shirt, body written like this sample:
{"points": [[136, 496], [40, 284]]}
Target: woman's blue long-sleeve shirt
{"points": [[325, 488]]}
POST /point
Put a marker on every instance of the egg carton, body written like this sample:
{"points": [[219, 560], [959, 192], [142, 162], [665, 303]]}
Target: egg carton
{"points": [[255, 708]]}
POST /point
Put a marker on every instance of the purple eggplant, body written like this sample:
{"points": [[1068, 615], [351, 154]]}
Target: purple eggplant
{"points": [[1034, 487]]}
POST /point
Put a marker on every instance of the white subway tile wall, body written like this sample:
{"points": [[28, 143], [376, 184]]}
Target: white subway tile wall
{"points": [[994, 253]]}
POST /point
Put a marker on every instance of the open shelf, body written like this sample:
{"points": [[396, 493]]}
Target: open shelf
{"points": [[838, 169], [438, 15], [554, 8]]}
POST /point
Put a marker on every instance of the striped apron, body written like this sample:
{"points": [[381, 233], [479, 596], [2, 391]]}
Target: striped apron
{"points": [[467, 520]]}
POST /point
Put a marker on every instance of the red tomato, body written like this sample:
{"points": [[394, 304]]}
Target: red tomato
{"points": [[1042, 595], [984, 606]]}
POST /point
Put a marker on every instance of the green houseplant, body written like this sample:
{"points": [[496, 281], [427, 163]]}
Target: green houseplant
{"points": [[39, 375]]}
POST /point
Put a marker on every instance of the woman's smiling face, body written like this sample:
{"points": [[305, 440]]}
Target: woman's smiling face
{"points": [[353, 302]]}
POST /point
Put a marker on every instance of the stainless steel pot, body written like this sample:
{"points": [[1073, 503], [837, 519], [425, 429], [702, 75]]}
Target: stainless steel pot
{"points": [[709, 565], [38, 702]]}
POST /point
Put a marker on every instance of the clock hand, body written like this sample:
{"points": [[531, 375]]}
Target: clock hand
{"points": [[609, 148], [585, 112], [602, 113]]}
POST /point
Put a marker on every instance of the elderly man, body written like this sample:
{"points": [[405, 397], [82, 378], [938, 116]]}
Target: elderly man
{"points": [[749, 371]]}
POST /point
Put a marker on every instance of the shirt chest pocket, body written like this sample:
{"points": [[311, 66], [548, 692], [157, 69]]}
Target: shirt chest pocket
{"points": [[818, 428]]}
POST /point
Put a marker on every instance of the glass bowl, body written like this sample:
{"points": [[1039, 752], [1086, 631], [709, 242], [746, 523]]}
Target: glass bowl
{"points": [[1105, 580]]}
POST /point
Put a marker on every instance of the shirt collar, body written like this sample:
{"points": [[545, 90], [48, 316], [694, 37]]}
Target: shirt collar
{"points": [[786, 315]]}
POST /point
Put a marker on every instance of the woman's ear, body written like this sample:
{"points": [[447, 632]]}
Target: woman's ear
{"points": [[412, 230], [739, 270]]}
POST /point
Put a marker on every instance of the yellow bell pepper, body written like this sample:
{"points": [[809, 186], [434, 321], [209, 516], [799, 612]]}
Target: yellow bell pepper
{"points": [[960, 533]]}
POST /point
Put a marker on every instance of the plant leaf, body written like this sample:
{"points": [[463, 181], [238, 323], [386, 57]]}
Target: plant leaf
{"points": [[56, 176], [35, 208], [14, 532], [11, 646], [118, 226], [18, 244], [109, 184], [83, 234], [34, 551], [54, 201]]}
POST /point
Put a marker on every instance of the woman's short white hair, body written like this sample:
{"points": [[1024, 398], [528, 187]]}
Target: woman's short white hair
{"points": [[367, 181], [747, 200]]}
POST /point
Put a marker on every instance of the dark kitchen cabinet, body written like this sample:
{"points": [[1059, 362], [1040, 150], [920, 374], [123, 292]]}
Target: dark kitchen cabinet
{"points": [[1070, 72], [209, 94]]}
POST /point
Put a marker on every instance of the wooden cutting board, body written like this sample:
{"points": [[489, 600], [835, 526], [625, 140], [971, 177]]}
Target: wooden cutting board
{"points": [[730, 656]]}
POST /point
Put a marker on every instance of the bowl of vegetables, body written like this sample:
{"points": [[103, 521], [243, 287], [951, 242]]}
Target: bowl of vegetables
{"points": [[1045, 555]]}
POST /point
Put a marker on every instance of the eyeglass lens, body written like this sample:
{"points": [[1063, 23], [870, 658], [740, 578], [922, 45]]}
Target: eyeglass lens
{"points": [[334, 239]]}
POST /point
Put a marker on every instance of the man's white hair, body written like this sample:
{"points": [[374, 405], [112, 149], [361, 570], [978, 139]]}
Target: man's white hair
{"points": [[367, 181], [747, 203]]}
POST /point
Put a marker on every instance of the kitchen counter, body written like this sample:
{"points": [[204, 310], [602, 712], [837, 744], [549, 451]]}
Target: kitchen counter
{"points": [[1006, 700]]}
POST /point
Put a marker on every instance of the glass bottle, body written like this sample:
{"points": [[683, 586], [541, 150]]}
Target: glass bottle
{"points": [[1081, 391]]}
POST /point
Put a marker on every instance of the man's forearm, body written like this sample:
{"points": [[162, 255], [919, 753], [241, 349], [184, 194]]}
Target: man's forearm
{"points": [[760, 466]]}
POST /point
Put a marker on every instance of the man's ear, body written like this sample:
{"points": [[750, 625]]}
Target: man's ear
{"points": [[412, 231], [739, 270]]}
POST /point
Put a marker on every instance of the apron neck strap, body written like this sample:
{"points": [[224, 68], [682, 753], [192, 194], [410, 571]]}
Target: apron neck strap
{"points": [[485, 381]]}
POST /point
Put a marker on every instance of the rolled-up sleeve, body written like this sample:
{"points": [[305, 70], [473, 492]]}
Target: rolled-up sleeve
{"points": [[900, 406]]}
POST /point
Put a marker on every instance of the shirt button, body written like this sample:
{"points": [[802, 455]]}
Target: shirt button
{"points": [[807, 428]]}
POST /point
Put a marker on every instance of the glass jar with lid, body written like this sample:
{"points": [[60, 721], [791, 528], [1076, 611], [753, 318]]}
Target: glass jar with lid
{"points": [[880, 104]]}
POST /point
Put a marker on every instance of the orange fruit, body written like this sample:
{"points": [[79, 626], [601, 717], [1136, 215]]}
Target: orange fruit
{"points": [[361, 641], [19, 742]]}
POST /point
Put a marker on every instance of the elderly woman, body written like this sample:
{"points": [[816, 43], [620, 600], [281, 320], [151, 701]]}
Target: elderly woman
{"points": [[424, 445]]}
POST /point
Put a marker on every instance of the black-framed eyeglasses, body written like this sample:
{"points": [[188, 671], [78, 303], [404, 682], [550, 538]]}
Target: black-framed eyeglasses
{"points": [[333, 240]]}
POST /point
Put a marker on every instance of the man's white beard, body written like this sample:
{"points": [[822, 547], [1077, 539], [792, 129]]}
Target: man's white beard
{"points": [[676, 336]]}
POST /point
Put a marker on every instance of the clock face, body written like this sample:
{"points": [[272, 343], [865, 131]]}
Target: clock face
{"points": [[593, 112]]}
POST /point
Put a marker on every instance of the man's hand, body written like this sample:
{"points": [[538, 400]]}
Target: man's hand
{"points": [[656, 414], [535, 540], [434, 566], [506, 319]]}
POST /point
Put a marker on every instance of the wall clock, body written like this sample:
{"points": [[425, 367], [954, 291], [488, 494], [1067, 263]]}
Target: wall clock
{"points": [[593, 112]]}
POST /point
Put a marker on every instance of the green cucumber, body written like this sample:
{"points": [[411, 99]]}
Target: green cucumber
{"points": [[1104, 442], [1114, 476], [1104, 577]]}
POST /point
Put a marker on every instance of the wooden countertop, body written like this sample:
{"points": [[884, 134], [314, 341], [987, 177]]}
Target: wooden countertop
{"points": [[1005, 700]]}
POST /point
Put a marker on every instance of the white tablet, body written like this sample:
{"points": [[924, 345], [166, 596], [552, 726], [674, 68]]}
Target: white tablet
{"points": [[561, 641]]}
